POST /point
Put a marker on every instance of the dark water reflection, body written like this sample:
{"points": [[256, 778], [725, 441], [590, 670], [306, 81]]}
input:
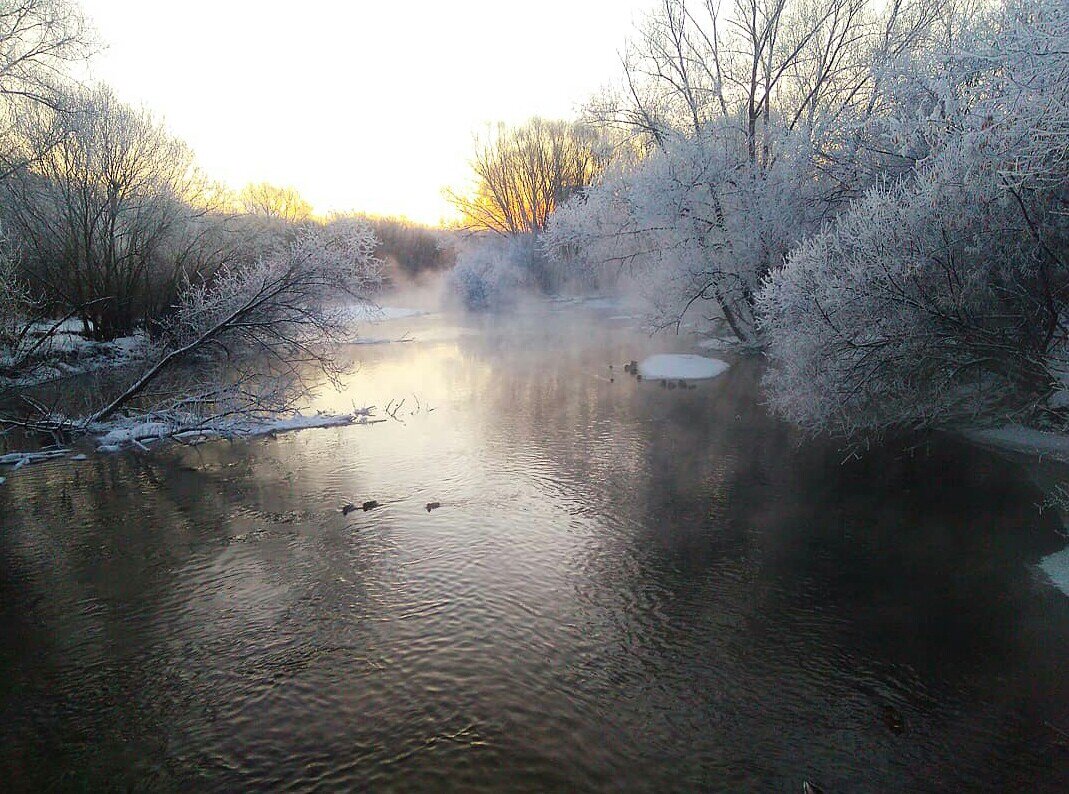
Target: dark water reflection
{"points": [[626, 588]]}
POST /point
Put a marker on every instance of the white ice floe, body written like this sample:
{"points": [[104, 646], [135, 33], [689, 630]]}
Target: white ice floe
{"points": [[681, 366], [1056, 567]]}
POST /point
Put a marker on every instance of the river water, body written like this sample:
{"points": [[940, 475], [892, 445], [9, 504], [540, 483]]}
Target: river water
{"points": [[626, 587]]}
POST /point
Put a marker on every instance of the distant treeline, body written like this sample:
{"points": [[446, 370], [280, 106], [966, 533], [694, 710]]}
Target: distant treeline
{"points": [[410, 249]]}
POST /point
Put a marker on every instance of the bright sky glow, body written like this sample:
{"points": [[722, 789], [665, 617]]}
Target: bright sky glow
{"points": [[366, 106]]}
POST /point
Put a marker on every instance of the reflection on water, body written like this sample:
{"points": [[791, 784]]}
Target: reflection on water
{"points": [[625, 588]]}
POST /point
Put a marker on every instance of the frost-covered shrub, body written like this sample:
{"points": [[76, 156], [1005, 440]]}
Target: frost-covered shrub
{"points": [[490, 271], [270, 322], [282, 300], [943, 297]]}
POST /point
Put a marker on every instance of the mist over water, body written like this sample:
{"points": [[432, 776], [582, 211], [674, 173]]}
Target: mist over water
{"points": [[625, 587]]}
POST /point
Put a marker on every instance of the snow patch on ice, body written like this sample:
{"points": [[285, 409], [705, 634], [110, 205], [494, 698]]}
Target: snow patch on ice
{"points": [[1056, 567], [681, 366]]}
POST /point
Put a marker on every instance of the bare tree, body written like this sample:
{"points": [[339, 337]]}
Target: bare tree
{"points": [[275, 311], [522, 174], [278, 203], [105, 212], [40, 42], [752, 62]]}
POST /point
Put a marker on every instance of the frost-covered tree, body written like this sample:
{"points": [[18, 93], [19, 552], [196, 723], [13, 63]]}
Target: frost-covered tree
{"points": [[272, 323], [756, 119], [104, 209], [491, 270], [943, 296], [695, 222], [40, 43]]}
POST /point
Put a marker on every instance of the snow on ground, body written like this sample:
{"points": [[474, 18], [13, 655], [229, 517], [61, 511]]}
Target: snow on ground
{"points": [[378, 340], [681, 366], [72, 325], [1019, 438], [68, 353], [129, 432], [1056, 567], [714, 343], [20, 459]]}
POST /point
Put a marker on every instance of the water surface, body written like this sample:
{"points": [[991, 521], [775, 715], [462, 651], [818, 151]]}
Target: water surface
{"points": [[626, 587]]}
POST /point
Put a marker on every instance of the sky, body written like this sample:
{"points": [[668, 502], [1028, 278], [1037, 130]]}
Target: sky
{"points": [[362, 106]]}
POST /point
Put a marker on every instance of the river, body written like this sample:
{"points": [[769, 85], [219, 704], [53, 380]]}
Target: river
{"points": [[625, 587]]}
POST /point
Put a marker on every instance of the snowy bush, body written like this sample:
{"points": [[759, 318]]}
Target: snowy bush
{"points": [[491, 270]]}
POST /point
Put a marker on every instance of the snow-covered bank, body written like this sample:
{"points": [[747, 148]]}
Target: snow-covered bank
{"points": [[370, 313], [681, 366], [20, 459], [67, 353], [129, 433], [1056, 567], [1026, 440], [137, 433]]}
